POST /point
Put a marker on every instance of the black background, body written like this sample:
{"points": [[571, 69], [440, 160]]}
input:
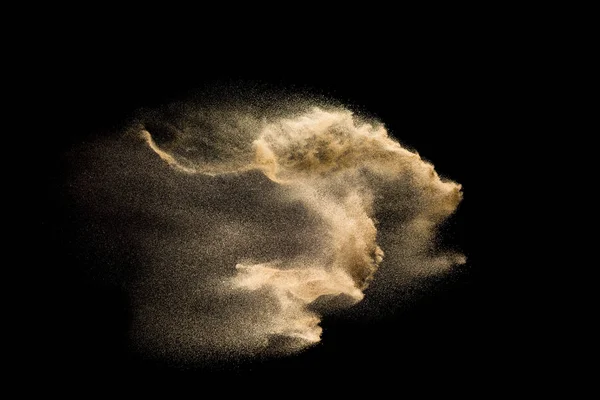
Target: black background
{"points": [[439, 95]]}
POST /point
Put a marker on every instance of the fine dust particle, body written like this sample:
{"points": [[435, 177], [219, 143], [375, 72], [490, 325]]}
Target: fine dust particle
{"points": [[243, 221]]}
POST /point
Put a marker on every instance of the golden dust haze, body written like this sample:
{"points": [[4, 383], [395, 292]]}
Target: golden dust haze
{"points": [[245, 220]]}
